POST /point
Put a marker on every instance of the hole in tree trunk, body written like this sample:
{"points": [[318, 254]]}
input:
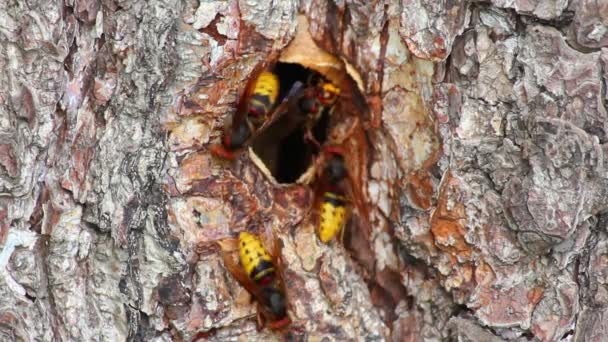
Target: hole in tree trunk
{"points": [[282, 147]]}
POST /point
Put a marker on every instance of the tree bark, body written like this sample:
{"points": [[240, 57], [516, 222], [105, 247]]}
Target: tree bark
{"points": [[479, 193]]}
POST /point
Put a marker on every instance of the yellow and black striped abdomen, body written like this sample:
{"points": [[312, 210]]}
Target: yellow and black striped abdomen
{"points": [[264, 94], [332, 216], [255, 259]]}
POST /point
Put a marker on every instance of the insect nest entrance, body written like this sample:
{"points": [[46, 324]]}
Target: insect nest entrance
{"points": [[312, 84], [283, 147]]}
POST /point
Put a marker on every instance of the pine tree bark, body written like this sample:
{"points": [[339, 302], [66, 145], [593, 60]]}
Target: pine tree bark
{"points": [[477, 151]]}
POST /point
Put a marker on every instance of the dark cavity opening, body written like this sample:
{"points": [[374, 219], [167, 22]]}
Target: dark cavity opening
{"points": [[282, 146]]}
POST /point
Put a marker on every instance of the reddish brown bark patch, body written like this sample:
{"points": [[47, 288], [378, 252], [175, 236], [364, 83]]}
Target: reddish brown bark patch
{"points": [[448, 220], [421, 190]]}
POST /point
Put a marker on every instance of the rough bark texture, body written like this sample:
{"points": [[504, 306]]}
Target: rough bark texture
{"points": [[478, 158]]}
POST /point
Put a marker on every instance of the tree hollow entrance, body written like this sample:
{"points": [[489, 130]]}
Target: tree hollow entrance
{"points": [[282, 147]]}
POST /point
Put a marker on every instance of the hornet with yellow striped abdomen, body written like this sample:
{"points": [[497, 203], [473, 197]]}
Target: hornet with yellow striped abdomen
{"points": [[255, 259], [332, 200], [260, 273], [254, 108], [263, 98]]}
